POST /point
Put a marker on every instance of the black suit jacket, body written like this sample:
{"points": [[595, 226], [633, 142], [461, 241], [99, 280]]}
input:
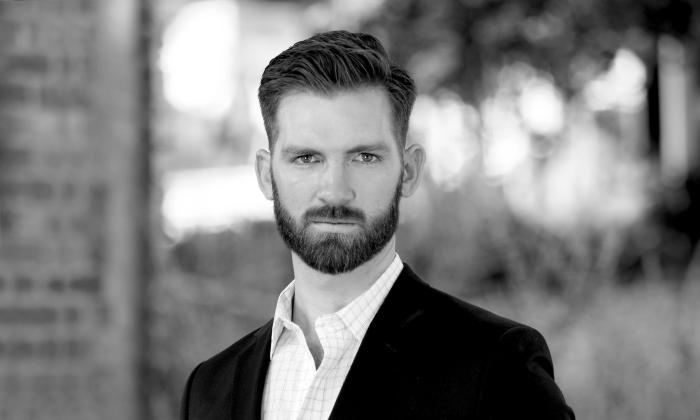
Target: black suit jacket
{"points": [[426, 355]]}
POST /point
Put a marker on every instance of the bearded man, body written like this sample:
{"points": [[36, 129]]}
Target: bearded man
{"points": [[356, 334]]}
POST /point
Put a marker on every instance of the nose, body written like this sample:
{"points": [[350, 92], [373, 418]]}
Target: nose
{"points": [[335, 188]]}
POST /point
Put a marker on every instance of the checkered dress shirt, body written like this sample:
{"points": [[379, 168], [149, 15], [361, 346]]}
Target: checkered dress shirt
{"points": [[294, 388]]}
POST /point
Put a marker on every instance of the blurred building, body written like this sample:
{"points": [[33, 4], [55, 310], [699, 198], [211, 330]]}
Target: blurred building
{"points": [[73, 200]]}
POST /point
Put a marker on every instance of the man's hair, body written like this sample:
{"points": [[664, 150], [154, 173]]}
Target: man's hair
{"points": [[332, 62]]}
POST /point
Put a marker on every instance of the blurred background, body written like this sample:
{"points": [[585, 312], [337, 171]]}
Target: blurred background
{"points": [[562, 188]]}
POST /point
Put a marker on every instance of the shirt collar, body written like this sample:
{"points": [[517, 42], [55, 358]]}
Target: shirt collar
{"points": [[283, 314], [356, 315]]}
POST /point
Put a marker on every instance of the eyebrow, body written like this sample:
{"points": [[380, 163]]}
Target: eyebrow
{"points": [[374, 147], [298, 150]]}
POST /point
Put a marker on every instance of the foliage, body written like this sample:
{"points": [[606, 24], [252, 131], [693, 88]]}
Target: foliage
{"points": [[454, 44]]}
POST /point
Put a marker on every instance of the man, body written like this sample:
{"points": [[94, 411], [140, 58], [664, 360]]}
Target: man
{"points": [[357, 335]]}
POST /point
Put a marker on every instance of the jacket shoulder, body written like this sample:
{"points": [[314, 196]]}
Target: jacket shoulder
{"points": [[511, 360], [464, 328], [457, 315], [232, 352], [221, 366], [209, 389]]}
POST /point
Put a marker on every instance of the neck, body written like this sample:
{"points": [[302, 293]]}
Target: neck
{"points": [[317, 294]]}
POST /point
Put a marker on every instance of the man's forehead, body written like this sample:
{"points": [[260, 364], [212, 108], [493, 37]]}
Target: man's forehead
{"points": [[345, 117]]}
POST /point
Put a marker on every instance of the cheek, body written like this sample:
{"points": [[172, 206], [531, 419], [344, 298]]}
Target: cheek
{"points": [[377, 194], [293, 190]]}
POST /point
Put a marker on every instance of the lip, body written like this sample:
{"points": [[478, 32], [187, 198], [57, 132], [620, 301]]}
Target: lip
{"points": [[333, 221], [344, 226]]}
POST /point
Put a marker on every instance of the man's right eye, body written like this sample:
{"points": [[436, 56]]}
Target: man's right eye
{"points": [[304, 159]]}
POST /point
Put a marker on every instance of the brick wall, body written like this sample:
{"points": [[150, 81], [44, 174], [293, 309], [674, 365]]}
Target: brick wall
{"points": [[67, 188]]}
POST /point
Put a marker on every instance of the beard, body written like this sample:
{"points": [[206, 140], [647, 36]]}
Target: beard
{"points": [[333, 252]]}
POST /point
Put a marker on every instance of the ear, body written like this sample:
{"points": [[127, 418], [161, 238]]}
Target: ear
{"points": [[263, 170], [413, 160]]}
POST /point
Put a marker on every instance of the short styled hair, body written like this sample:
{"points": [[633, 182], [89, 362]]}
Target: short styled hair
{"points": [[332, 62]]}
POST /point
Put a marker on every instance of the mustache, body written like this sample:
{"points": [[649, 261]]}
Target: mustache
{"points": [[335, 213]]}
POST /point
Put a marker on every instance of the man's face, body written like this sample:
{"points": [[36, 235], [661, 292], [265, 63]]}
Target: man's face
{"points": [[336, 177]]}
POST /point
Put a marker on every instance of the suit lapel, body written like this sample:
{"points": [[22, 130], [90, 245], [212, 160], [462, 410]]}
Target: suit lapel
{"points": [[378, 372], [249, 378]]}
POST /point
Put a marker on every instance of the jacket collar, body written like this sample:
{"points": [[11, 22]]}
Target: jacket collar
{"points": [[249, 376], [378, 365], [377, 360]]}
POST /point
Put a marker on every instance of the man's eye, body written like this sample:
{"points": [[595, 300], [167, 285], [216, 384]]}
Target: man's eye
{"points": [[304, 159], [368, 158]]}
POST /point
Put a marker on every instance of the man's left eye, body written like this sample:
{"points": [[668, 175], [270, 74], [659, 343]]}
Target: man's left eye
{"points": [[367, 158]]}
